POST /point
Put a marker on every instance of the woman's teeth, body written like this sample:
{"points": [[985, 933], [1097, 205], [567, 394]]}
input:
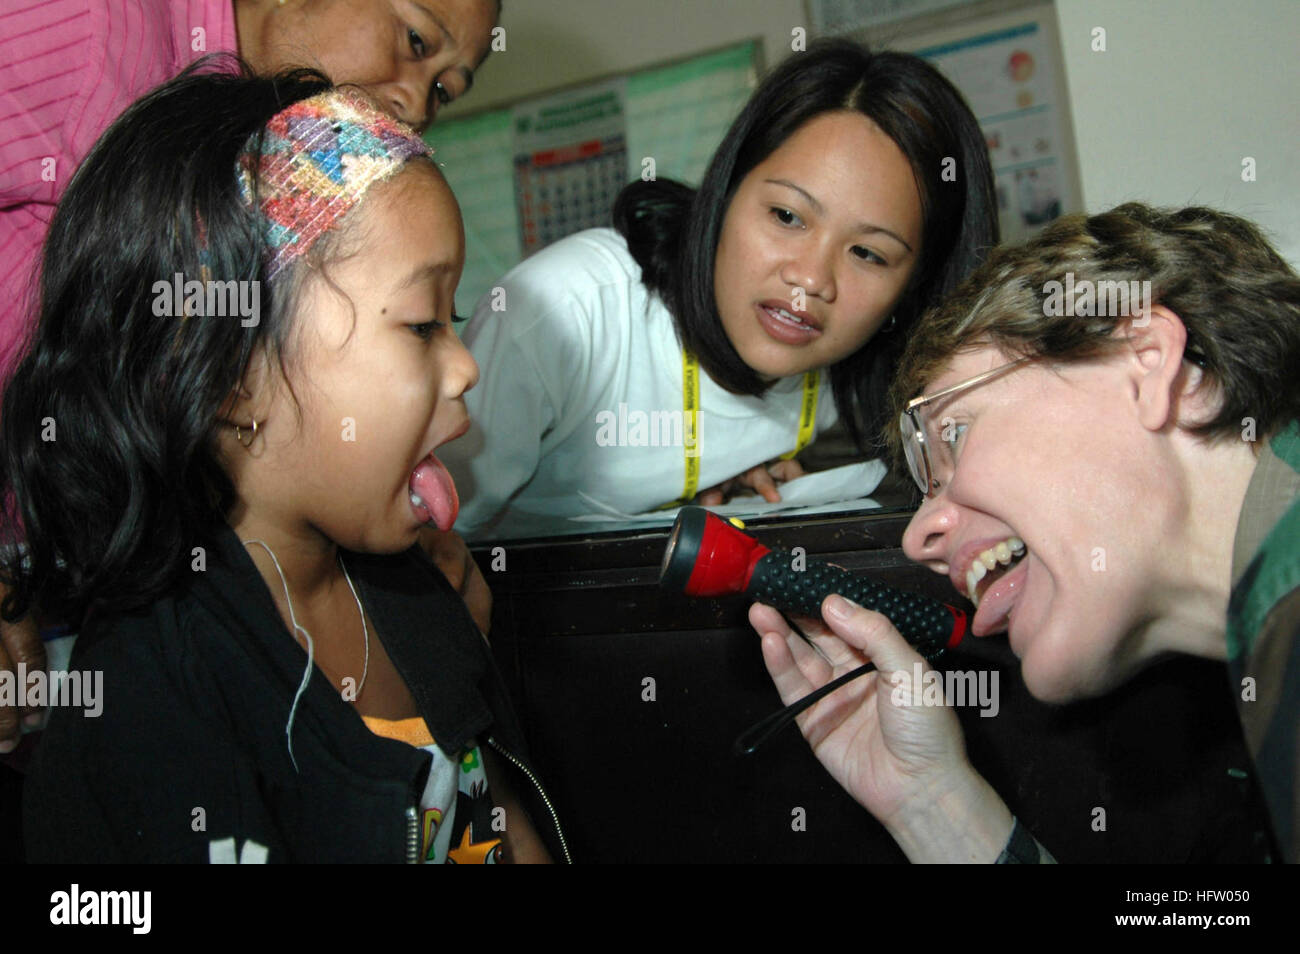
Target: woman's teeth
{"points": [[1003, 552], [782, 315]]}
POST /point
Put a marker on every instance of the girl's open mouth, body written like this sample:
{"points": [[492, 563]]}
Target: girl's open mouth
{"points": [[433, 493]]}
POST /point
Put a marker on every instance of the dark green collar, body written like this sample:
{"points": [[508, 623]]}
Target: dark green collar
{"points": [[1265, 570]]}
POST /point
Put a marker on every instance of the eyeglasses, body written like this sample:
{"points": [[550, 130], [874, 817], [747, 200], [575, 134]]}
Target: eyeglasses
{"points": [[929, 458]]}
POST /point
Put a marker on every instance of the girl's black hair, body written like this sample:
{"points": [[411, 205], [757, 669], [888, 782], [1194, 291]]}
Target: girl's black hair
{"points": [[672, 230], [107, 433]]}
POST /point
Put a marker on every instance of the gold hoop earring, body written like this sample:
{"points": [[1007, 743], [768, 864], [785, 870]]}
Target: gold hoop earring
{"points": [[251, 437]]}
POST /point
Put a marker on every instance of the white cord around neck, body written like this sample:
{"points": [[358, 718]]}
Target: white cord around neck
{"points": [[293, 619]]}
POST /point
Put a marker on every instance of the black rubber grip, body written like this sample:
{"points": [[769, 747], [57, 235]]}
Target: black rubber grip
{"points": [[926, 623]]}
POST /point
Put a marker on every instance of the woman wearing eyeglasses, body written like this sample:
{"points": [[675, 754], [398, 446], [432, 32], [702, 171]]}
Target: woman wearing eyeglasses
{"points": [[1160, 435]]}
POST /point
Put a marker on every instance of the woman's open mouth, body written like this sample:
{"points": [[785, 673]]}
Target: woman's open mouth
{"points": [[994, 582], [784, 325]]}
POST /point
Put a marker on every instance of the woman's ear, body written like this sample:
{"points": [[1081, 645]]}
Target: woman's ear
{"points": [[1158, 339]]}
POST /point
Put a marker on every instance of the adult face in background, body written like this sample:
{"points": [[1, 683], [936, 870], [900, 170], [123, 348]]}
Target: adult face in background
{"points": [[414, 56], [825, 215], [817, 246]]}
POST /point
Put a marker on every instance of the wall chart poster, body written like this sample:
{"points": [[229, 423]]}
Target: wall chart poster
{"points": [[841, 16], [570, 161], [1007, 79]]}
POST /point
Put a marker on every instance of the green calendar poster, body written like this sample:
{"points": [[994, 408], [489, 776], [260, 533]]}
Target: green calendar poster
{"points": [[552, 165]]}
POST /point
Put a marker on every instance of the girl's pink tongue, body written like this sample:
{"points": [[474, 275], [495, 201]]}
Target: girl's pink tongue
{"points": [[432, 484]]}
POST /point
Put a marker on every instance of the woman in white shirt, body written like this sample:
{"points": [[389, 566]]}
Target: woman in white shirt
{"points": [[719, 330]]}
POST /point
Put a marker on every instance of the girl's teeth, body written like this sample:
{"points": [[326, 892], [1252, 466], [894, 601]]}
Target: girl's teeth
{"points": [[988, 559], [1016, 544], [415, 499], [1002, 552]]}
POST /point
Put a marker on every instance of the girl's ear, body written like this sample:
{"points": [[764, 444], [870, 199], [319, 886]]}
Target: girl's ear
{"points": [[1158, 338], [249, 400]]}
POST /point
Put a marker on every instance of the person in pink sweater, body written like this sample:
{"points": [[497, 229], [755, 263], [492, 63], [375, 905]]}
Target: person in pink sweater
{"points": [[70, 67]]}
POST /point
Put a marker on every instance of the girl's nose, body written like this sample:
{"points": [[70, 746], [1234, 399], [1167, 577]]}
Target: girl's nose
{"points": [[460, 369], [928, 537]]}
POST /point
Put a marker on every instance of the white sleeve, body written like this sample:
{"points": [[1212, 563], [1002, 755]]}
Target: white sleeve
{"points": [[529, 356]]}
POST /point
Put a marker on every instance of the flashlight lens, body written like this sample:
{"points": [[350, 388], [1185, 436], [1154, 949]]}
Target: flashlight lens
{"points": [[670, 549]]}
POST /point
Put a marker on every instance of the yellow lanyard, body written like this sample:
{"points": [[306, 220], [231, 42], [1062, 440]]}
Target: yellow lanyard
{"points": [[691, 423], [807, 414]]}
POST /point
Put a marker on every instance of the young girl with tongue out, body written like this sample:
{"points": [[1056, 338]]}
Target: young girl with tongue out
{"points": [[852, 192], [229, 507]]}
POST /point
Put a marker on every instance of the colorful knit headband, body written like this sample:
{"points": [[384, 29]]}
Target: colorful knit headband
{"points": [[318, 158]]}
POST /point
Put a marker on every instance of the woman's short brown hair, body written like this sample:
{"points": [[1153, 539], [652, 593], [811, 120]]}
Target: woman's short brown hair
{"points": [[1238, 299]]}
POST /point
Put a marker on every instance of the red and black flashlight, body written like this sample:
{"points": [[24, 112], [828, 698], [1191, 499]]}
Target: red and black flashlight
{"points": [[706, 556]]}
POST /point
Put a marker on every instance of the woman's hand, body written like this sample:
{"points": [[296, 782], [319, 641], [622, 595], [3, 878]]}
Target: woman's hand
{"points": [[903, 761], [448, 551], [761, 479]]}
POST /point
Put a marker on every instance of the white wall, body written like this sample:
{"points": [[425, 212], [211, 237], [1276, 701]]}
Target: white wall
{"points": [[1184, 91], [552, 43]]}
